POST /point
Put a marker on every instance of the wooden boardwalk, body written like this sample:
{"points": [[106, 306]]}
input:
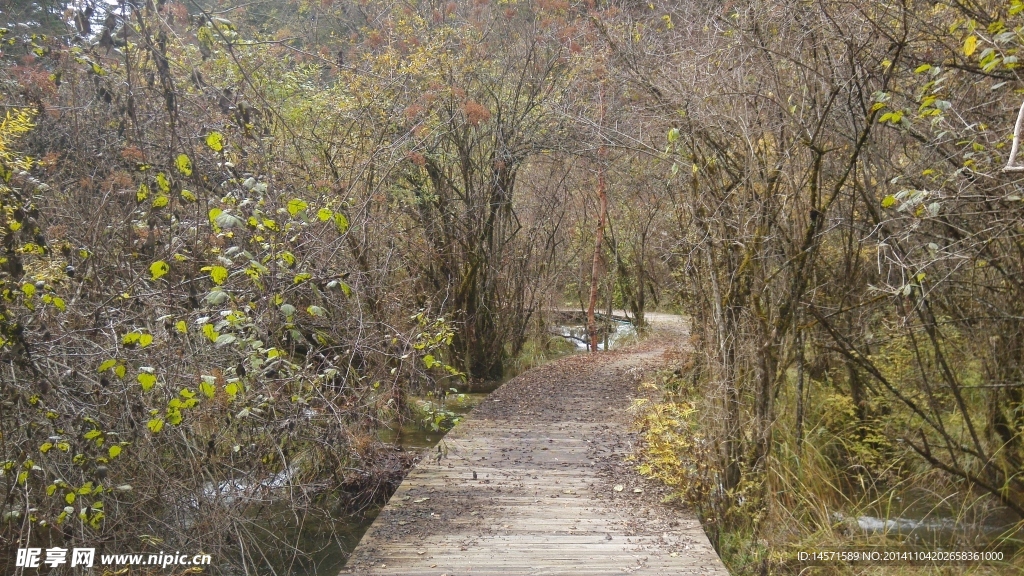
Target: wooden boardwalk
{"points": [[535, 482]]}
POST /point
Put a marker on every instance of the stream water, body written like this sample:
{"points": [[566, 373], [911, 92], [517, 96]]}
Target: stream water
{"points": [[922, 519], [621, 333], [327, 540]]}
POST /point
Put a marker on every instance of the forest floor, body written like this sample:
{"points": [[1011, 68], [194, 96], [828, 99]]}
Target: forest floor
{"points": [[537, 480]]}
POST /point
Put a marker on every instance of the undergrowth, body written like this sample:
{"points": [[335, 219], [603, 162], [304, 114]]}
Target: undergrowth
{"points": [[827, 493]]}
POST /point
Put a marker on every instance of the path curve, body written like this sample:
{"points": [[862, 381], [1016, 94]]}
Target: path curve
{"points": [[527, 483]]}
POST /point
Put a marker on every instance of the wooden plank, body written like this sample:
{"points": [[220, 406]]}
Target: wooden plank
{"points": [[527, 485]]}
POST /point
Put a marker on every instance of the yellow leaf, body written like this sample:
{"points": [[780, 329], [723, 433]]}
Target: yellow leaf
{"points": [[215, 140], [218, 274], [970, 45], [188, 196], [155, 425], [161, 201], [158, 269], [143, 192], [163, 183], [295, 206], [114, 451], [184, 165], [181, 326], [147, 381], [210, 332]]}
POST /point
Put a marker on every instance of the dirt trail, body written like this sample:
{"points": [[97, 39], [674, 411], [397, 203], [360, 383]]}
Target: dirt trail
{"points": [[527, 483]]}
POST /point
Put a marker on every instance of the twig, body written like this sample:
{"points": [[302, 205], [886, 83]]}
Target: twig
{"points": [[1010, 164]]}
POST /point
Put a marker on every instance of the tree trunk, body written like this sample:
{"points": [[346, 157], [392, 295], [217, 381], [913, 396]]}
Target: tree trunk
{"points": [[603, 200]]}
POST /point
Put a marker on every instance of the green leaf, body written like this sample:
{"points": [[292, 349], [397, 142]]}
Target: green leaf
{"points": [[922, 68], [888, 201], [28, 289], [70, 498], [158, 269], [232, 389], [429, 361], [218, 274], [143, 192], [145, 340], [324, 214], [183, 164], [147, 381], [217, 296], [188, 196], [180, 326], [162, 182], [341, 222], [174, 417], [155, 425], [114, 451], [207, 389], [215, 140], [46, 447], [295, 206], [161, 201], [106, 365]]}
